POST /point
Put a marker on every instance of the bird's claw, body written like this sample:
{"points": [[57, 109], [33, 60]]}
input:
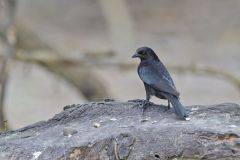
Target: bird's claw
{"points": [[168, 107], [145, 104]]}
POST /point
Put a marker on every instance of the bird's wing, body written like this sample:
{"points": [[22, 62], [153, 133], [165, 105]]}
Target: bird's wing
{"points": [[157, 76]]}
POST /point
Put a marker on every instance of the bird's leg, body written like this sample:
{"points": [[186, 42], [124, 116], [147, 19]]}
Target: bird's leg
{"points": [[168, 106], [146, 103], [144, 106]]}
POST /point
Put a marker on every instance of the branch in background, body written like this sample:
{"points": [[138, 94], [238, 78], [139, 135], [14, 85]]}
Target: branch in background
{"points": [[9, 33], [80, 76], [83, 78], [60, 62], [231, 78], [37, 51]]}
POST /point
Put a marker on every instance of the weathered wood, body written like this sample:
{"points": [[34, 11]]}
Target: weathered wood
{"points": [[118, 130]]}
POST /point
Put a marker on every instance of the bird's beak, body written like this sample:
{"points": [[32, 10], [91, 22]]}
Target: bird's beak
{"points": [[135, 55]]}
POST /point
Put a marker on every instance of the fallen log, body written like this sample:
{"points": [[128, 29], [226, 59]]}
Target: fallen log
{"points": [[118, 130]]}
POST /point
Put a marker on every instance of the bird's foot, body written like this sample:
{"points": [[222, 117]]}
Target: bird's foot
{"points": [[168, 108], [145, 104]]}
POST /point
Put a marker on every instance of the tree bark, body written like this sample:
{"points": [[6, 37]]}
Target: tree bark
{"points": [[118, 130]]}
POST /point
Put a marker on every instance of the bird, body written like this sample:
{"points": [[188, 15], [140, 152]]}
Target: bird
{"points": [[157, 81]]}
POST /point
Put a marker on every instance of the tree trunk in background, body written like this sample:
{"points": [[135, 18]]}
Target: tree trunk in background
{"points": [[8, 35], [119, 21]]}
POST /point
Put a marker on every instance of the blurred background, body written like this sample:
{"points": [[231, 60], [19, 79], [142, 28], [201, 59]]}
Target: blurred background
{"points": [[60, 52]]}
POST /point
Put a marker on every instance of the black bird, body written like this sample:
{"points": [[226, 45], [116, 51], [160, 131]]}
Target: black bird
{"points": [[157, 80]]}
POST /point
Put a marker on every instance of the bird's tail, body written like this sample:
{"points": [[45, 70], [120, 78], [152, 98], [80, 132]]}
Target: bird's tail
{"points": [[178, 107]]}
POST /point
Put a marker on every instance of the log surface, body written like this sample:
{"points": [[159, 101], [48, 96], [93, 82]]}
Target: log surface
{"points": [[118, 130]]}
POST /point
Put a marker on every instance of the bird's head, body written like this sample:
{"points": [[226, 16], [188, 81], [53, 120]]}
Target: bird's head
{"points": [[145, 53]]}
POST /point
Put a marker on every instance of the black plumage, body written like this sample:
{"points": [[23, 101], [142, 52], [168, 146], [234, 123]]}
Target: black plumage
{"points": [[157, 80]]}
